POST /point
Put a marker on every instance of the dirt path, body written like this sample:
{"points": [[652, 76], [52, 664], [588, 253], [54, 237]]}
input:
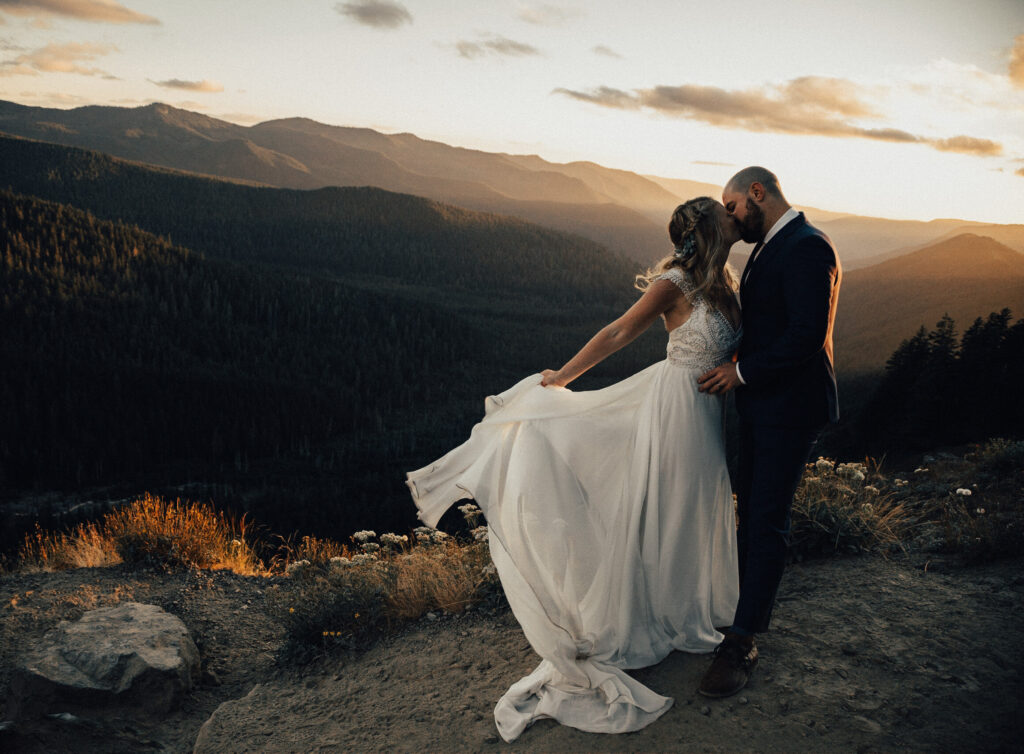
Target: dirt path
{"points": [[865, 655]]}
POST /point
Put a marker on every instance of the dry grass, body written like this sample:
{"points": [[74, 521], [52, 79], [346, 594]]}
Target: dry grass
{"points": [[152, 530], [86, 546], [845, 508], [351, 599], [449, 577]]}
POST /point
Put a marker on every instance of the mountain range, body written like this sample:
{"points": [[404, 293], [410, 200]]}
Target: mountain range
{"points": [[967, 275], [620, 209]]}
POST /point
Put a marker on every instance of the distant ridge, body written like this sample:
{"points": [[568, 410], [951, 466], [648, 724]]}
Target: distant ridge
{"points": [[617, 208], [966, 276], [610, 207]]}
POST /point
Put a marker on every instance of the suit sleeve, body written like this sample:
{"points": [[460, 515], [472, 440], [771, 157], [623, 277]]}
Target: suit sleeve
{"points": [[807, 291]]}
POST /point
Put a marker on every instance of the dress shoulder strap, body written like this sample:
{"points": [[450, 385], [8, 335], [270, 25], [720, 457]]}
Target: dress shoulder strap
{"points": [[680, 278]]}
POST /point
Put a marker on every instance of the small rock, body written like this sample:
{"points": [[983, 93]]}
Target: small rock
{"points": [[67, 718], [869, 726], [133, 654], [743, 700], [490, 739], [849, 649], [705, 710], [842, 672], [431, 616]]}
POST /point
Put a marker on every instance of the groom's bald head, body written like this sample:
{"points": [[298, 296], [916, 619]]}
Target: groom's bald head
{"points": [[754, 201], [743, 180]]}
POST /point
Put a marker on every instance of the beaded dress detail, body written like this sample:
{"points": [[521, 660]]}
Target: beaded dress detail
{"points": [[707, 338]]}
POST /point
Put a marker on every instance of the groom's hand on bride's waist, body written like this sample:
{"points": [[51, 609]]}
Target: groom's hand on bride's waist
{"points": [[719, 380]]}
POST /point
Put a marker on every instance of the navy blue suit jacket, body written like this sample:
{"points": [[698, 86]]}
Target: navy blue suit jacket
{"points": [[789, 299]]}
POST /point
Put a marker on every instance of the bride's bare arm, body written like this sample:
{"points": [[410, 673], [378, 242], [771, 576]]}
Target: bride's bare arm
{"points": [[659, 297]]}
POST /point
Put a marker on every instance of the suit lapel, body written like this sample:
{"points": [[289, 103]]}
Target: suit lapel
{"points": [[772, 247]]}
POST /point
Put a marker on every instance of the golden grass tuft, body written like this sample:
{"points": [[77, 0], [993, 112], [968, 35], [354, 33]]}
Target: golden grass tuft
{"points": [[85, 546], [150, 529]]}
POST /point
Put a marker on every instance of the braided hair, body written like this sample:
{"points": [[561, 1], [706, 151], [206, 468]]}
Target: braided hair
{"points": [[700, 251]]}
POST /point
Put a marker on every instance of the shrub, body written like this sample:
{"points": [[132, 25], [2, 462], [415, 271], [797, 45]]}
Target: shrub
{"points": [[349, 599], [837, 509]]}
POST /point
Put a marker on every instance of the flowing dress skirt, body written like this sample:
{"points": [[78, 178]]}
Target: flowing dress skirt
{"points": [[612, 529]]}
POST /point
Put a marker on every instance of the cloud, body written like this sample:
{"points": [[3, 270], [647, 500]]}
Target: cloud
{"points": [[806, 106], [497, 45], [1017, 62], [58, 58], [380, 14], [967, 145], [205, 86], [606, 51], [546, 15], [104, 11]]}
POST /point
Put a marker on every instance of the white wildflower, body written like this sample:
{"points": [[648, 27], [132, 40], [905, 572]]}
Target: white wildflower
{"points": [[471, 513], [920, 470], [488, 570], [823, 465], [963, 492], [363, 557], [853, 471], [393, 540], [371, 547], [871, 489], [900, 482], [296, 567], [868, 508], [479, 533], [365, 535], [980, 511], [437, 537]]}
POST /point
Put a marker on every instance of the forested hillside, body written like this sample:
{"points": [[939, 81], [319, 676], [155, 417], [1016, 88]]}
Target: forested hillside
{"points": [[299, 387], [357, 233]]}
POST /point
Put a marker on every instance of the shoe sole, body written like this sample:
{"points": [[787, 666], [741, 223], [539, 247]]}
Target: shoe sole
{"points": [[736, 690]]}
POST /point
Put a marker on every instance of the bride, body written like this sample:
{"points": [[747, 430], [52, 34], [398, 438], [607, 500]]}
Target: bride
{"points": [[610, 513]]}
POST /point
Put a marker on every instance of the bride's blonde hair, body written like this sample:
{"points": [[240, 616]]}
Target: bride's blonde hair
{"points": [[694, 227]]}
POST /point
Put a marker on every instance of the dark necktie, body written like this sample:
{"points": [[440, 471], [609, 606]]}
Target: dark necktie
{"points": [[753, 259]]}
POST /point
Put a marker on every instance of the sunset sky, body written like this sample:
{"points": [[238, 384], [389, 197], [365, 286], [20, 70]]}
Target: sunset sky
{"points": [[905, 108]]}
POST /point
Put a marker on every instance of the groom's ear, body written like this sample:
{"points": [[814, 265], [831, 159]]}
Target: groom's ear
{"points": [[757, 191]]}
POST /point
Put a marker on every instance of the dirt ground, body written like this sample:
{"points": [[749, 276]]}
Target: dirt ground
{"points": [[865, 655]]}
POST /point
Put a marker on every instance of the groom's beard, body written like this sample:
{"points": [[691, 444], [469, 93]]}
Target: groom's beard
{"points": [[752, 228]]}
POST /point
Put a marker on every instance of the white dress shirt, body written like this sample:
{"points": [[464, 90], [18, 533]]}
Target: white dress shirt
{"points": [[787, 216]]}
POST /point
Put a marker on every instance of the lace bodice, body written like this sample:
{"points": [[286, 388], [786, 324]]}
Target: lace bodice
{"points": [[706, 339]]}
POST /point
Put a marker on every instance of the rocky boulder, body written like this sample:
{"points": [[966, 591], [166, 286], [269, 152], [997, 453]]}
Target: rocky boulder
{"points": [[133, 655]]}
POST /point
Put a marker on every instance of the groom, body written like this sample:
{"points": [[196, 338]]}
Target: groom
{"points": [[785, 393]]}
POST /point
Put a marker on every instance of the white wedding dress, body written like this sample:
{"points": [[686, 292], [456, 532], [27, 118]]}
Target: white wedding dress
{"points": [[611, 526]]}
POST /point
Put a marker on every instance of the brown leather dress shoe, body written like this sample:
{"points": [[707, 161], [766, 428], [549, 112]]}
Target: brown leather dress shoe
{"points": [[735, 659]]}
